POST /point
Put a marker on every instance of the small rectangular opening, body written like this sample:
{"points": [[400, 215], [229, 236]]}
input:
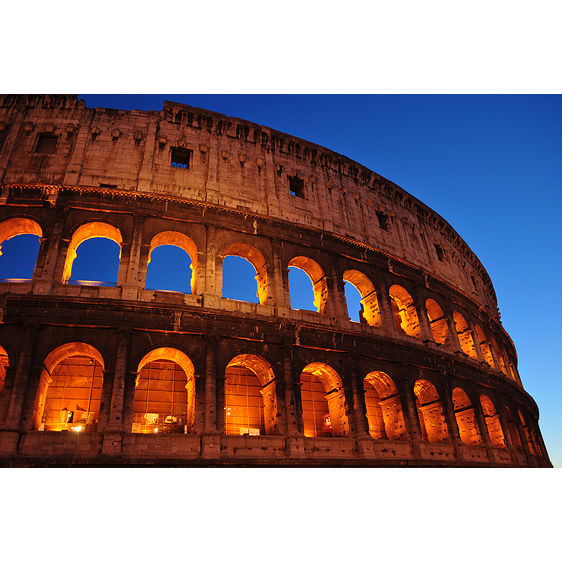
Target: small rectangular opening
{"points": [[296, 187], [181, 157], [383, 220], [46, 144], [440, 252]]}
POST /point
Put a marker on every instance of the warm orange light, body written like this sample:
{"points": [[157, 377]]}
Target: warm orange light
{"points": [[77, 428]]}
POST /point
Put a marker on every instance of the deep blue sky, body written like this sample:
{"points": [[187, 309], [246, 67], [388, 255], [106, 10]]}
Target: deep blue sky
{"points": [[490, 165]]}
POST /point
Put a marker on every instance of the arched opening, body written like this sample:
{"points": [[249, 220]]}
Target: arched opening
{"points": [[19, 247], [323, 402], [368, 309], [466, 419], [164, 393], [317, 278], [172, 263], [499, 356], [250, 397], [512, 426], [438, 323], [384, 409], [484, 346], [70, 388], [404, 310], [242, 262], [3, 367], [465, 335], [301, 290], [528, 434], [98, 258], [430, 411], [492, 422]]}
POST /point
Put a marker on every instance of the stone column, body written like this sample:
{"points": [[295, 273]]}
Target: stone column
{"points": [[131, 285], [387, 315], [359, 407], [454, 337], [146, 170], [278, 292], [482, 425], [211, 297], [411, 418], [210, 425], [336, 293], [118, 392], [421, 311], [290, 398], [449, 411], [54, 250], [19, 390], [476, 341]]}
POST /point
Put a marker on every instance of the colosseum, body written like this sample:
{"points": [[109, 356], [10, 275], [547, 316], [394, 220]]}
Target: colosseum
{"points": [[111, 374]]}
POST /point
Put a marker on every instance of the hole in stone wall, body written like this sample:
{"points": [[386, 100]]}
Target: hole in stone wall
{"points": [[18, 257], [169, 270], [239, 280], [97, 261]]}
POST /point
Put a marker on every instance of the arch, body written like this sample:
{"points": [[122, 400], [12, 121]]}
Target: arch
{"points": [[484, 346], [383, 405], [371, 310], [318, 278], [499, 356], [323, 402], [466, 419], [180, 240], [164, 393], [85, 232], [70, 388], [528, 435], [465, 335], [4, 363], [512, 426], [250, 396], [404, 310], [28, 249], [437, 322], [430, 412], [492, 419], [256, 258]]}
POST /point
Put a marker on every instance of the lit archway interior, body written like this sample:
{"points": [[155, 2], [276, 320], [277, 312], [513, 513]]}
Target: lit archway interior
{"points": [[499, 356], [18, 262], [384, 409], [69, 393], [492, 422], [515, 439], [323, 402], [256, 258], [370, 306], [484, 346], [430, 411], [466, 420], [531, 443], [250, 397], [86, 232], [404, 310], [178, 240], [164, 393], [3, 367], [318, 279], [465, 335], [437, 322]]}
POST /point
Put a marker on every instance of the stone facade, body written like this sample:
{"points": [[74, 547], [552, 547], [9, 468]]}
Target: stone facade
{"points": [[428, 378]]}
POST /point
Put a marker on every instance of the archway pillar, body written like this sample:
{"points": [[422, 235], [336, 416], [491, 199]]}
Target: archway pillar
{"points": [[455, 341], [278, 281], [132, 272], [387, 315], [211, 296], [411, 418], [290, 397], [116, 408]]}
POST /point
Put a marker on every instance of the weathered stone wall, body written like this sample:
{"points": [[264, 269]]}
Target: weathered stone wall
{"points": [[431, 367]]}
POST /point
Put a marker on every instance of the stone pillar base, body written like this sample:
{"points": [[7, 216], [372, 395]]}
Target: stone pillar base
{"points": [[365, 447], [112, 443], [295, 447], [211, 445], [9, 442], [211, 300]]}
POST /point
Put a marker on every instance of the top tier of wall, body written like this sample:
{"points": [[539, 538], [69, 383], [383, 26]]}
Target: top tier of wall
{"points": [[236, 164]]}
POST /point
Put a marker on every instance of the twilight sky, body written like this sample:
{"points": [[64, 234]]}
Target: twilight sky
{"points": [[490, 165]]}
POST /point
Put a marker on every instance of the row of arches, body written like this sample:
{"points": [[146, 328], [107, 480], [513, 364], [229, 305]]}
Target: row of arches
{"points": [[451, 330], [72, 389]]}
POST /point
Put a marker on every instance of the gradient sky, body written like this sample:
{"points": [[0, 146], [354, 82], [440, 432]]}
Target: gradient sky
{"points": [[491, 166]]}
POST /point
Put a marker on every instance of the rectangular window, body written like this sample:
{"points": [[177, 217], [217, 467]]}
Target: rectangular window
{"points": [[181, 157], [383, 220], [296, 187], [440, 252], [46, 144]]}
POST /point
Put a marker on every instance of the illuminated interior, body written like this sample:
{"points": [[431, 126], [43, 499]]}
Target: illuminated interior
{"points": [[437, 322], [73, 397], [86, 232], [499, 356], [323, 402], [531, 443], [515, 439], [492, 422], [164, 393], [465, 335], [430, 412], [371, 311], [250, 397], [182, 241], [384, 409], [318, 279], [405, 315], [3, 366], [484, 346], [255, 257], [466, 419]]}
